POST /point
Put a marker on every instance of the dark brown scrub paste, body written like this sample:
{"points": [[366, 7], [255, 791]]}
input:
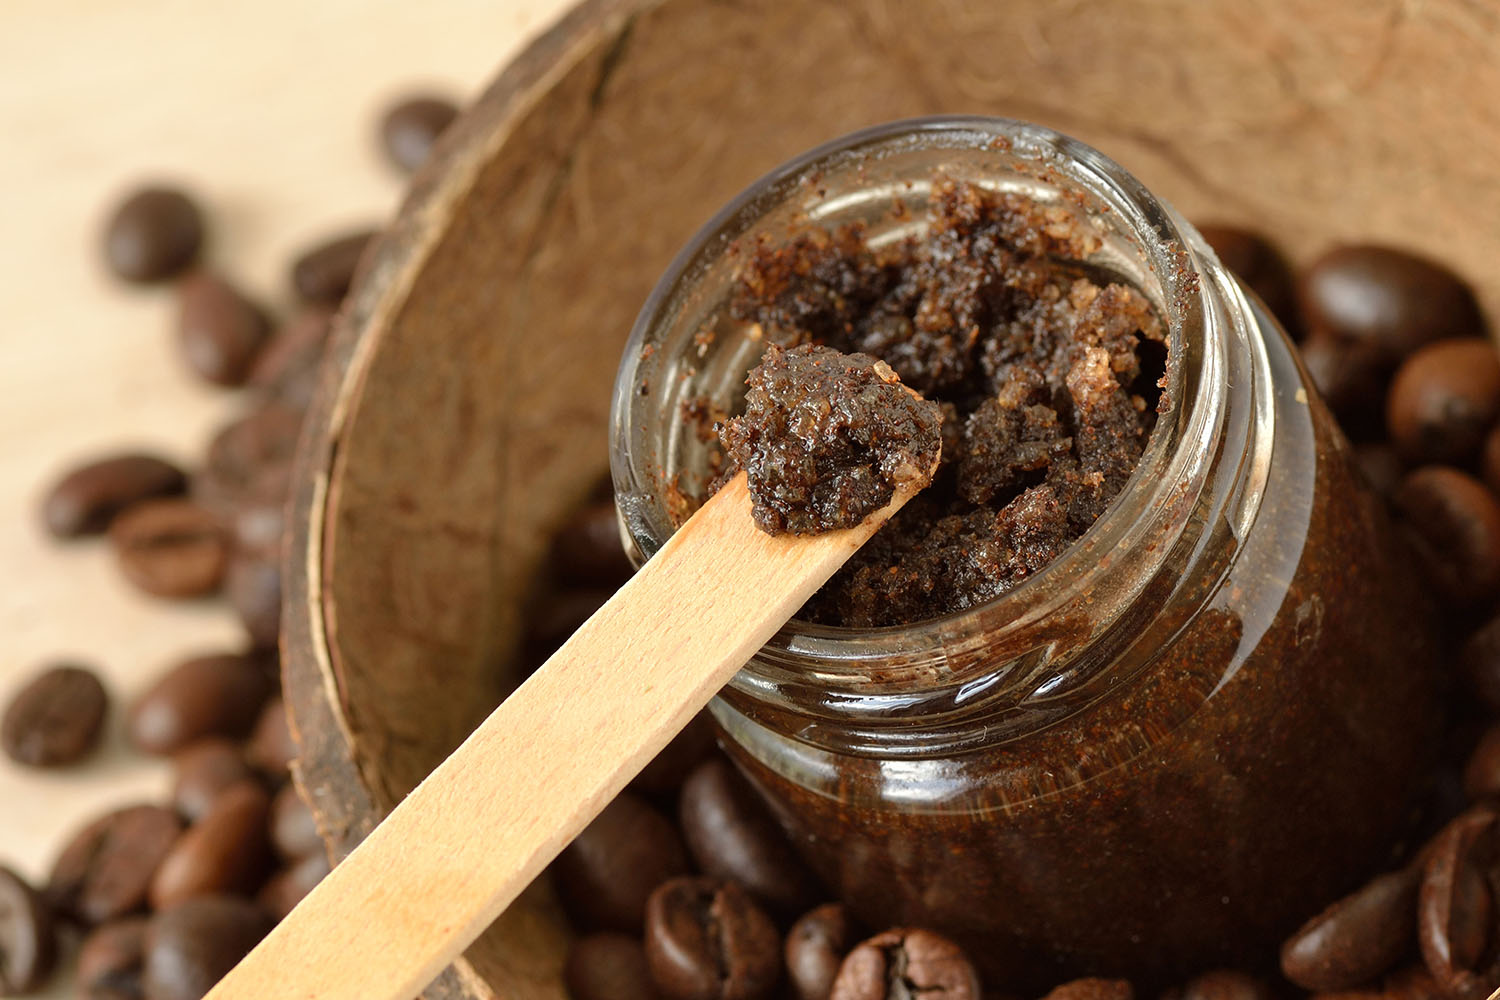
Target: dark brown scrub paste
{"points": [[1256, 755]]}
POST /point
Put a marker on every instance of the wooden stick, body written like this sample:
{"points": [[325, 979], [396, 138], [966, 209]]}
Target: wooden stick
{"points": [[485, 823]]}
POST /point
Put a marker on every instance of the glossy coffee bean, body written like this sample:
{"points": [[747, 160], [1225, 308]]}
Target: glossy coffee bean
{"points": [[294, 832], [1388, 299], [1093, 988], [217, 695], [1455, 526], [815, 948], [225, 851], [28, 940], [252, 585], [1456, 909], [111, 959], [1443, 401], [410, 127], [271, 747], [1256, 262], [170, 548], [55, 719], [286, 370], [104, 871], [732, 835], [191, 946], [670, 768], [587, 551], [322, 275], [606, 874], [1227, 984], [1479, 664], [249, 461], [286, 888], [87, 498], [155, 233], [1352, 380], [203, 771], [706, 939], [908, 960], [608, 966], [1357, 938], [219, 330], [1482, 771]]}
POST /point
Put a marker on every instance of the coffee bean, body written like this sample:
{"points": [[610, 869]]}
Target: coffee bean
{"points": [[1479, 664], [56, 719], [252, 586], [170, 548], [219, 330], [1482, 772], [249, 462], [1456, 916], [111, 959], [815, 948], [608, 966], [153, 234], [907, 962], [1093, 989], [1414, 983], [28, 942], [1381, 466], [289, 886], [322, 275], [218, 695], [191, 946], [286, 370], [225, 851], [1227, 984], [203, 771], [1356, 938], [105, 870], [410, 127], [1261, 267], [670, 768], [732, 835], [587, 552], [1352, 380], [1444, 400], [606, 874], [294, 832], [87, 499], [1388, 299], [271, 747], [1455, 525], [707, 940]]}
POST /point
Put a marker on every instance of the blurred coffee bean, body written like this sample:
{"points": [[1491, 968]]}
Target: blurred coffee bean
{"points": [[557, 616], [815, 948], [913, 962], [322, 275], [1443, 401], [1387, 299], [55, 719], [608, 966], [1455, 525], [110, 961], [28, 942], [225, 851], [410, 127], [170, 548], [203, 771], [587, 551], [271, 747], [286, 888], [154, 233], [1381, 466], [732, 835], [286, 370], [1456, 914], [294, 832], [104, 871], [1414, 983], [86, 499], [670, 768], [219, 330], [191, 946], [218, 695], [606, 874], [1227, 984], [1093, 988], [249, 462], [1356, 938], [1479, 664], [707, 940], [1257, 263], [252, 586], [1352, 381], [1482, 772]]}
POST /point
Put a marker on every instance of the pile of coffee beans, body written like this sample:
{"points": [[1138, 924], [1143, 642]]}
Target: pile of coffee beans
{"points": [[161, 899]]}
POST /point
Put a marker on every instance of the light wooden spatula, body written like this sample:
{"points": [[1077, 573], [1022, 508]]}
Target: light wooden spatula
{"points": [[465, 842]]}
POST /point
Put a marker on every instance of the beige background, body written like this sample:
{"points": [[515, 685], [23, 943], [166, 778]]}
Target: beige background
{"points": [[267, 111]]}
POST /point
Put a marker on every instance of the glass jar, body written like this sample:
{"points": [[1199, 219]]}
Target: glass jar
{"points": [[1192, 730]]}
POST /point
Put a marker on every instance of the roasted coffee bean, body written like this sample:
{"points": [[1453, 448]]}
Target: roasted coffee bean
{"points": [[170, 548], [219, 330], [606, 874], [815, 948], [1489, 460], [286, 369], [191, 946], [556, 618], [225, 851], [1479, 663], [907, 962], [1455, 525], [253, 587], [28, 941], [410, 127], [249, 462], [323, 274], [1443, 401], [154, 233], [707, 940], [87, 499], [587, 552], [287, 887], [271, 747], [1381, 466], [1357, 938], [1456, 908], [732, 835], [1388, 299], [203, 771], [1093, 988], [1261, 267], [1227, 984], [55, 719], [1352, 380], [1482, 772], [670, 768], [110, 960], [608, 966], [294, 832], [105, 870], [218, 695]]}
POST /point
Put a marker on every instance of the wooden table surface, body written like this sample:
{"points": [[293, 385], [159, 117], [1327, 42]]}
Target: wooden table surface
{"points": [[267, 111]]}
